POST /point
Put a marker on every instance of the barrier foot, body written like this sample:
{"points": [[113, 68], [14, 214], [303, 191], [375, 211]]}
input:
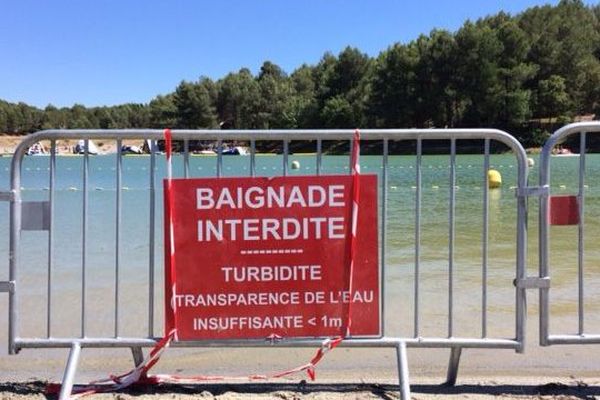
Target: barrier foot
{"points": [[403, 371], [138, 356], [67, 383], [453, 366]]}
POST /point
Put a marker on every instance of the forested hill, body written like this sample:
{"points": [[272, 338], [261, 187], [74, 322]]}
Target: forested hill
{"points": [[519, 73]]}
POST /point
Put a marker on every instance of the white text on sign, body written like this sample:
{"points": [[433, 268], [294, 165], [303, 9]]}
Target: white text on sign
{"points": [[270, 197], [269, 273], [265, 229], [272, 298]]}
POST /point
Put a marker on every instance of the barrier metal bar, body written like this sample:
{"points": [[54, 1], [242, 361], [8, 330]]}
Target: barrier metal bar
{"points": [[52, 188], [486, 235], [419, 185], [126, 342], [13, 251], [219, 157], [563, 339], [384, 212], [543, 239], [69, 376], [547, 339], [186, 158], [402, 362], [253, 158], [152, 238], [284, 134], [319, 156], [521, 259], [286, 150], [84, 230], [138, 355], [580, 233], [451, 234], [453, 363], [118, 233]]}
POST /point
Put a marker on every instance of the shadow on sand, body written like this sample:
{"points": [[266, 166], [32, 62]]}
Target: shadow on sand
{"points": [[575, 390]]}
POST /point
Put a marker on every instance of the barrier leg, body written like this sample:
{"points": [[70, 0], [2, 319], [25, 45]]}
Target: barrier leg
{"points": [[138, 355], [403, 371], [67, 384], [453, 366]]}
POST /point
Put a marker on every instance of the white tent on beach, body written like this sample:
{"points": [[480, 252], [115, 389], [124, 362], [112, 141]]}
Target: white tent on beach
{"points": [[80, 147]]}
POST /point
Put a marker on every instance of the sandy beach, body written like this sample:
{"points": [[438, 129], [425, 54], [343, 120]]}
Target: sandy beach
{"points": [[8, 143], [565, 372], [473, 389], [540, 373]]}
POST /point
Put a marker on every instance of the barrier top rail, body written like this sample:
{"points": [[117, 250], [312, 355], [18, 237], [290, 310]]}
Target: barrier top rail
{"points": [[277, 134], [558, 137]]}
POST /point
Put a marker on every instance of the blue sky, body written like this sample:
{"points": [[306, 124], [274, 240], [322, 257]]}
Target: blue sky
{"points": [[108, 52]]}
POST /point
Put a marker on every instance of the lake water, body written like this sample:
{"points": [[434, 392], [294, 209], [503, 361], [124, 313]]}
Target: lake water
{"points": [[400, 242]]}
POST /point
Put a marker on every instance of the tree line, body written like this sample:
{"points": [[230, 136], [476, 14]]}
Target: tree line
{"points": [[517, 73]]}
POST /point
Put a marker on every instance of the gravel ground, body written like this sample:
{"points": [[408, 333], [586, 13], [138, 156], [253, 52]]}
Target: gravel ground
{"points": [[505, 387]]}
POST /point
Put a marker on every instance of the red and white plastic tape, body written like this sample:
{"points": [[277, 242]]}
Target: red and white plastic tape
{"points": [[139, 375]]}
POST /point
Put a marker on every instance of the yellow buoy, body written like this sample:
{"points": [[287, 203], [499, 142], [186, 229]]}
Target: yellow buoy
{"points": [[494, 179], [295, 164]]}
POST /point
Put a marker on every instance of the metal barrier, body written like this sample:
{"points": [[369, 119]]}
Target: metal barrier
{"points": [[43, 211], [546, 188]]}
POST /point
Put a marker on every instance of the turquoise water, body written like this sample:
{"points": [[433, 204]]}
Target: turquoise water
{"points": [[399, 245]]}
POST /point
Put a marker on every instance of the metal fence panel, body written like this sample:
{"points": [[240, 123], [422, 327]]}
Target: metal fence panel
{"points": [[570, 259], [442, 263]]}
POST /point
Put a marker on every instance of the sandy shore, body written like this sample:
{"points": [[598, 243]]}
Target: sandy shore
{"points": [[471, 389], [541, 373], [8, 143]]}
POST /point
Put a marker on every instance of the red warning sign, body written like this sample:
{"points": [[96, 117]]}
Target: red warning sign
{"points": [[563, 210], [269, 257]]}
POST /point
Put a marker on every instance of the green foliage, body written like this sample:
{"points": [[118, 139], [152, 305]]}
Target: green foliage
{"points": [[276, 106], [238, 100], [521, 73], [163, 112], [552, 96], [337, 113], [538, 137], [194, 105], [393, 87]]}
